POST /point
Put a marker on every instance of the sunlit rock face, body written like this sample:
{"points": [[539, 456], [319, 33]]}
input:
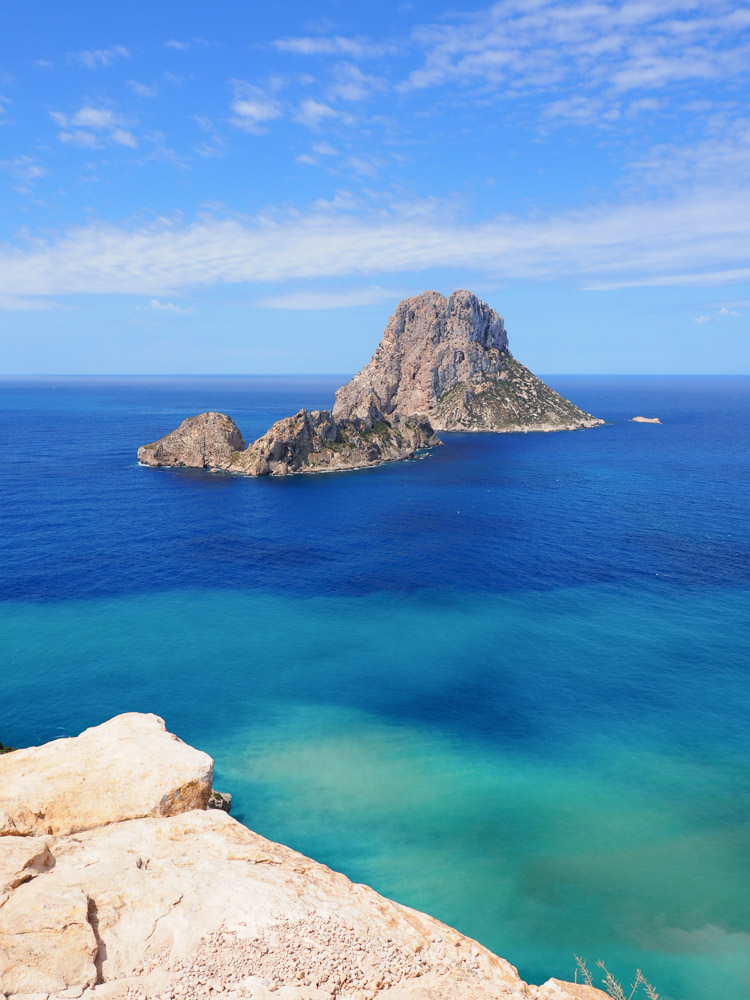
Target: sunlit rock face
{"points": [[206, 441]]}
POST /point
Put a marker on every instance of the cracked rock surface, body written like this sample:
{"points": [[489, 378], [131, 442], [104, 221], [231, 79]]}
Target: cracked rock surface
{"points": [[169, 900]]}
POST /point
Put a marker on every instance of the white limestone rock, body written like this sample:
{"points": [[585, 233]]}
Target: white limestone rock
{"points": [[126, 768], [185, 902]]}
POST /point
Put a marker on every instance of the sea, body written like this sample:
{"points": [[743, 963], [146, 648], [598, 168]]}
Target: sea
{"points": [[505, 683]]}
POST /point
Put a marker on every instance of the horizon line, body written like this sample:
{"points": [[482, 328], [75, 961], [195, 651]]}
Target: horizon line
{"points": [[168, 375]]}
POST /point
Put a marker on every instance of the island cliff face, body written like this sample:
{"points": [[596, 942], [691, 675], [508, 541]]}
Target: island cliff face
{"points": [[117, 882], [448, 358], [443, 364]]}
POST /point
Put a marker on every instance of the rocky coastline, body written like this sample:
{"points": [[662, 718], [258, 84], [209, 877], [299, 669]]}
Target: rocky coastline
{"points": [[443, 364], [119, 881]]}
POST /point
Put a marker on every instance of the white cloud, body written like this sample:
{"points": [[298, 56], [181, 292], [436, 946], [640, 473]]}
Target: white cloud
{"points": [[349, 299], [183, 46], [94, 58], [43, 64], [170, 308], [602, 49], [722, 157], [123, 137], [364, 167], [702, 319], [90, 125], [143, 89], [325, 149], [693, 241], [4, 102], [327, 46], [77, 137], [306, 160], [23, 169], [351, 84], [312, 113], [726, 311], [14, 303], [252, 107]]}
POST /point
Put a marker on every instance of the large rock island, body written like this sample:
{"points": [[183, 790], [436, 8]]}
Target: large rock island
{"points": [[117, 881], [448, 358], [442, 364]]}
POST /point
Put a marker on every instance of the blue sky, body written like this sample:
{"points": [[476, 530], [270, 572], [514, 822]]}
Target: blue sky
{"points": [[242, 187]]}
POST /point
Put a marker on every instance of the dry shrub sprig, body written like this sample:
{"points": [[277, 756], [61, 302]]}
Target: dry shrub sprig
{"points": [[611, 985]]}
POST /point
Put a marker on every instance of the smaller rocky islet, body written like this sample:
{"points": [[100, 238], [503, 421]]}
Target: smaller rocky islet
{"points": [[443, 364]]}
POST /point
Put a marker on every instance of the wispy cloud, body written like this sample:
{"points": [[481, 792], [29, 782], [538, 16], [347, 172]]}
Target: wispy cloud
{"points": [[16, 303], [312, 113], [605, 49], [97, 58], [24, 170], [722, 156], [182, 45], [143, 89], [348, 299], [252, 107], [92, 126], [329, 45], [700, 240], [170, 308], [351, 84], [702, 319]]}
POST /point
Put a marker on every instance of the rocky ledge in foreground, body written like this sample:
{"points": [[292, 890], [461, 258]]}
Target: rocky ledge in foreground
{"points": [[116, 881], [307, 442], [449, 359]]}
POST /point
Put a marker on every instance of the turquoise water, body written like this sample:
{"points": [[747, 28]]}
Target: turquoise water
{"points": [[506, 684]]}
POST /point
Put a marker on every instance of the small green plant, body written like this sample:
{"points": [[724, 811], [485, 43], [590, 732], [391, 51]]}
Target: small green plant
{"points": [[4, 749], [612, 986]]}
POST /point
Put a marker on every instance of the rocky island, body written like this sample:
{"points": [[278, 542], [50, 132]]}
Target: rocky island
{"points": [[118, 881], [443, 364]]}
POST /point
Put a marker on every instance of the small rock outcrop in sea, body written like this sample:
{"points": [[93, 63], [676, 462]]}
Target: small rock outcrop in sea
{"points": [[645, 420], [310, 441], [220, 800], [206, 441], [448, 358], [117, 882]]}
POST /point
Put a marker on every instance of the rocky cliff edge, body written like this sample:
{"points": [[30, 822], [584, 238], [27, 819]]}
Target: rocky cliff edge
{"points": [[116, 881]]}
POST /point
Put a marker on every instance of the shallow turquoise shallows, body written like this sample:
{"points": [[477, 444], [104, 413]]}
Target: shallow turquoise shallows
{"points": [[506, 683]]}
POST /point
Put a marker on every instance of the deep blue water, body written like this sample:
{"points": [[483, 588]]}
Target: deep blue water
{"points": [[506, 683]]}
